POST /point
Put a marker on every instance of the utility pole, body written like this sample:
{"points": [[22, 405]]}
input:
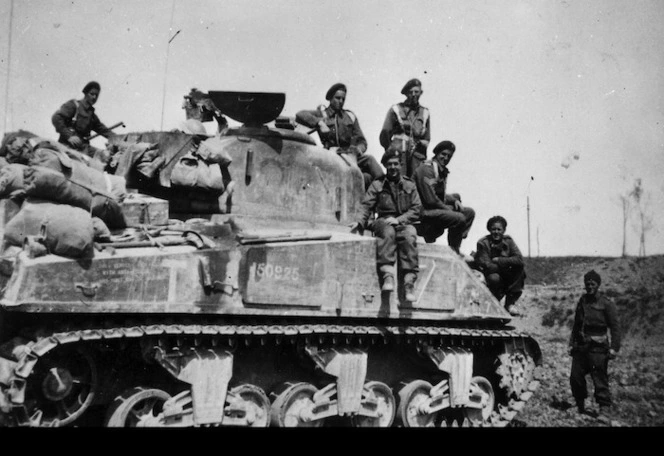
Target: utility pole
{"points": [[168, 48], [9, 60], [528, 213]]}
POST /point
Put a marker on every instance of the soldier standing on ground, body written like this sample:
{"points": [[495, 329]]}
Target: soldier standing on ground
{"points": [[441, 210], [395, 201], [590, 345], [339, 128], [406, 126], [501, 262], [76, 119]]}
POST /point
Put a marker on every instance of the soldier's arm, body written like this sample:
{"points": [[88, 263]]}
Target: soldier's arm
{"points": [[98, 127], [368, 205], [62, 117], [309, 118], [387, 130], [357, 137], [483, 259], [426, 138], [425, 181], [413, 213], [515, 258]]}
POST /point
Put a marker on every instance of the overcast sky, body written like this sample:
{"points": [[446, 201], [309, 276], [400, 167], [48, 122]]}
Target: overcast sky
{"points": [[557, 102]]}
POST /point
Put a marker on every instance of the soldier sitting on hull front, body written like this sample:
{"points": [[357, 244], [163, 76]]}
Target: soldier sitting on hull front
{"points": [[397, 205], [441, 210], [407, 128], [339, 128], [76, 119]]}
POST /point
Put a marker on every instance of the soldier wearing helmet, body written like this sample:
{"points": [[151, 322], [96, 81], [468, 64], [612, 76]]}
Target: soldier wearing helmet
{"points": [[395, 201], [76, 119], [339, 129], [407, 128]]}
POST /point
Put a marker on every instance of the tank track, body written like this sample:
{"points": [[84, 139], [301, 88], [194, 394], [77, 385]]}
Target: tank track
{"points": [[518, 394]]}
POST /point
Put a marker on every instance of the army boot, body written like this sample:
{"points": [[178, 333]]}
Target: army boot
{"points": [[409, 286], [387, 274]]}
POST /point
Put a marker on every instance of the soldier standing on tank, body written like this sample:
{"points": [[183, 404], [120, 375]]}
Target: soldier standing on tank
{"points": [[501, 262], [407, 127], [395, 201], [339, 128], [76, 119], [441, 210], [595, 340]]}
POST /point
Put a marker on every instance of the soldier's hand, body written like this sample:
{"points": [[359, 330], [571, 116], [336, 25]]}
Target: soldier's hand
{"points": [[323, 128], [355, 227], [75, 141], [612, 353], [458, 206]]}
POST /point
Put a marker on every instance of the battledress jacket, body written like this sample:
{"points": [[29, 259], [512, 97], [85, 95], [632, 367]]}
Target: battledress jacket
{"points": [[431, 180], [77, 118], [594, 315], [344, 127], [391, 199], [413, 122], [506, 252]]}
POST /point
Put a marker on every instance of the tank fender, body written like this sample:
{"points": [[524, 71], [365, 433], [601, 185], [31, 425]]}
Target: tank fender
{"points": [[208, 371]]}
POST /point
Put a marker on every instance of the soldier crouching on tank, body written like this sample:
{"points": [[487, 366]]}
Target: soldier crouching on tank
{"points": [[199, 106], [395, 201], [501, 262], [590, 345], [339, 128]]}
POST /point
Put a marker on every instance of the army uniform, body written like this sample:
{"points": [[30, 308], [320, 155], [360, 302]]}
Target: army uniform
{"points": [[405, 126], [438, 211], [345, 133], [78, 118], [589, 346], [505, 277], [400, 200]]}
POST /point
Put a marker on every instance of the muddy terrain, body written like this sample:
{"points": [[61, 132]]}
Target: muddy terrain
{"points": [[636, 285]]}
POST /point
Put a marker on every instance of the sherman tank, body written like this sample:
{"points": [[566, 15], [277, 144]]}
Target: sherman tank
{"points": [[252, 304]]}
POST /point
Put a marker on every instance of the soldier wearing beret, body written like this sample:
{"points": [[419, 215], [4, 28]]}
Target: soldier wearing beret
{"points": [[595, 339], [407, 127], [395, 201], [441, 210], [76, 119], [339, 129]]}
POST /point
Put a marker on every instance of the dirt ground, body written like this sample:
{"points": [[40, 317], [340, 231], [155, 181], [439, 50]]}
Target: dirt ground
{"points": [[553, 287]]}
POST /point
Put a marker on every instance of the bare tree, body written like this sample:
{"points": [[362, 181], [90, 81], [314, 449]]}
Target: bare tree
{"points": [[644, 220], [626, 203]]}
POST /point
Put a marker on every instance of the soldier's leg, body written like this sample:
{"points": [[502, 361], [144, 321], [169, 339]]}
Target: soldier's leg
{"points": [[434, 222], [577, 378], [599, 372], [386, 252], [408, 258], [369, 165], [469, 215], [495, 284]]}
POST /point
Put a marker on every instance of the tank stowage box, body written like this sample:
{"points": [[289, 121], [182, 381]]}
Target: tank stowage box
{"points": [[251, 304]]}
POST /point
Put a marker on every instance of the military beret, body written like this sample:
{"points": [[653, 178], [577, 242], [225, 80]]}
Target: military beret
{"points": [[441, 146], [91, 85], [390, 152], [592, 275], [410, 84], [338, 86]]}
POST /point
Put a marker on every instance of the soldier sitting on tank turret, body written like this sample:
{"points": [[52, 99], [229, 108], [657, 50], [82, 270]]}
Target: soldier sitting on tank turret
{"points": [[395, 201], [199, 106], [339, 128], [441, 210]]}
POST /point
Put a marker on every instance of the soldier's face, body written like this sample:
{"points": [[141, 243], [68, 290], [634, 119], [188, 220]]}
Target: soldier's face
{"points": [[497, 231], [92, 96], [591, 286], [338, 100], [393, 168], [413, 95], [445, 156]]}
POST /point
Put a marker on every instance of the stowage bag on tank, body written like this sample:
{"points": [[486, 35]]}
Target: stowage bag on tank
{"points": [[191, 171], [48, 184], [66, 230], [11, 178]]}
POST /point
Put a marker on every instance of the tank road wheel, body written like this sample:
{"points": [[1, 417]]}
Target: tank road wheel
{"points": [[61, 387], [137, 407], [252, 402], [381, 395], [481, 395], [412, 401], [291, 405]]}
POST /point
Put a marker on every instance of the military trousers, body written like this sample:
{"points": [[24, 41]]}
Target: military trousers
{"points": [[596, 363], [434, 222], [370, 168], [396, 242], [508, 281]]}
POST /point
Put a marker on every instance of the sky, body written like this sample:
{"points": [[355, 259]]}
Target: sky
{"points": [[556, 107]]}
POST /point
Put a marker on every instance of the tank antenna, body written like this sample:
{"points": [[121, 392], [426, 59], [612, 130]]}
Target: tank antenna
{"points": [[168, 48], [9, 60]]}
